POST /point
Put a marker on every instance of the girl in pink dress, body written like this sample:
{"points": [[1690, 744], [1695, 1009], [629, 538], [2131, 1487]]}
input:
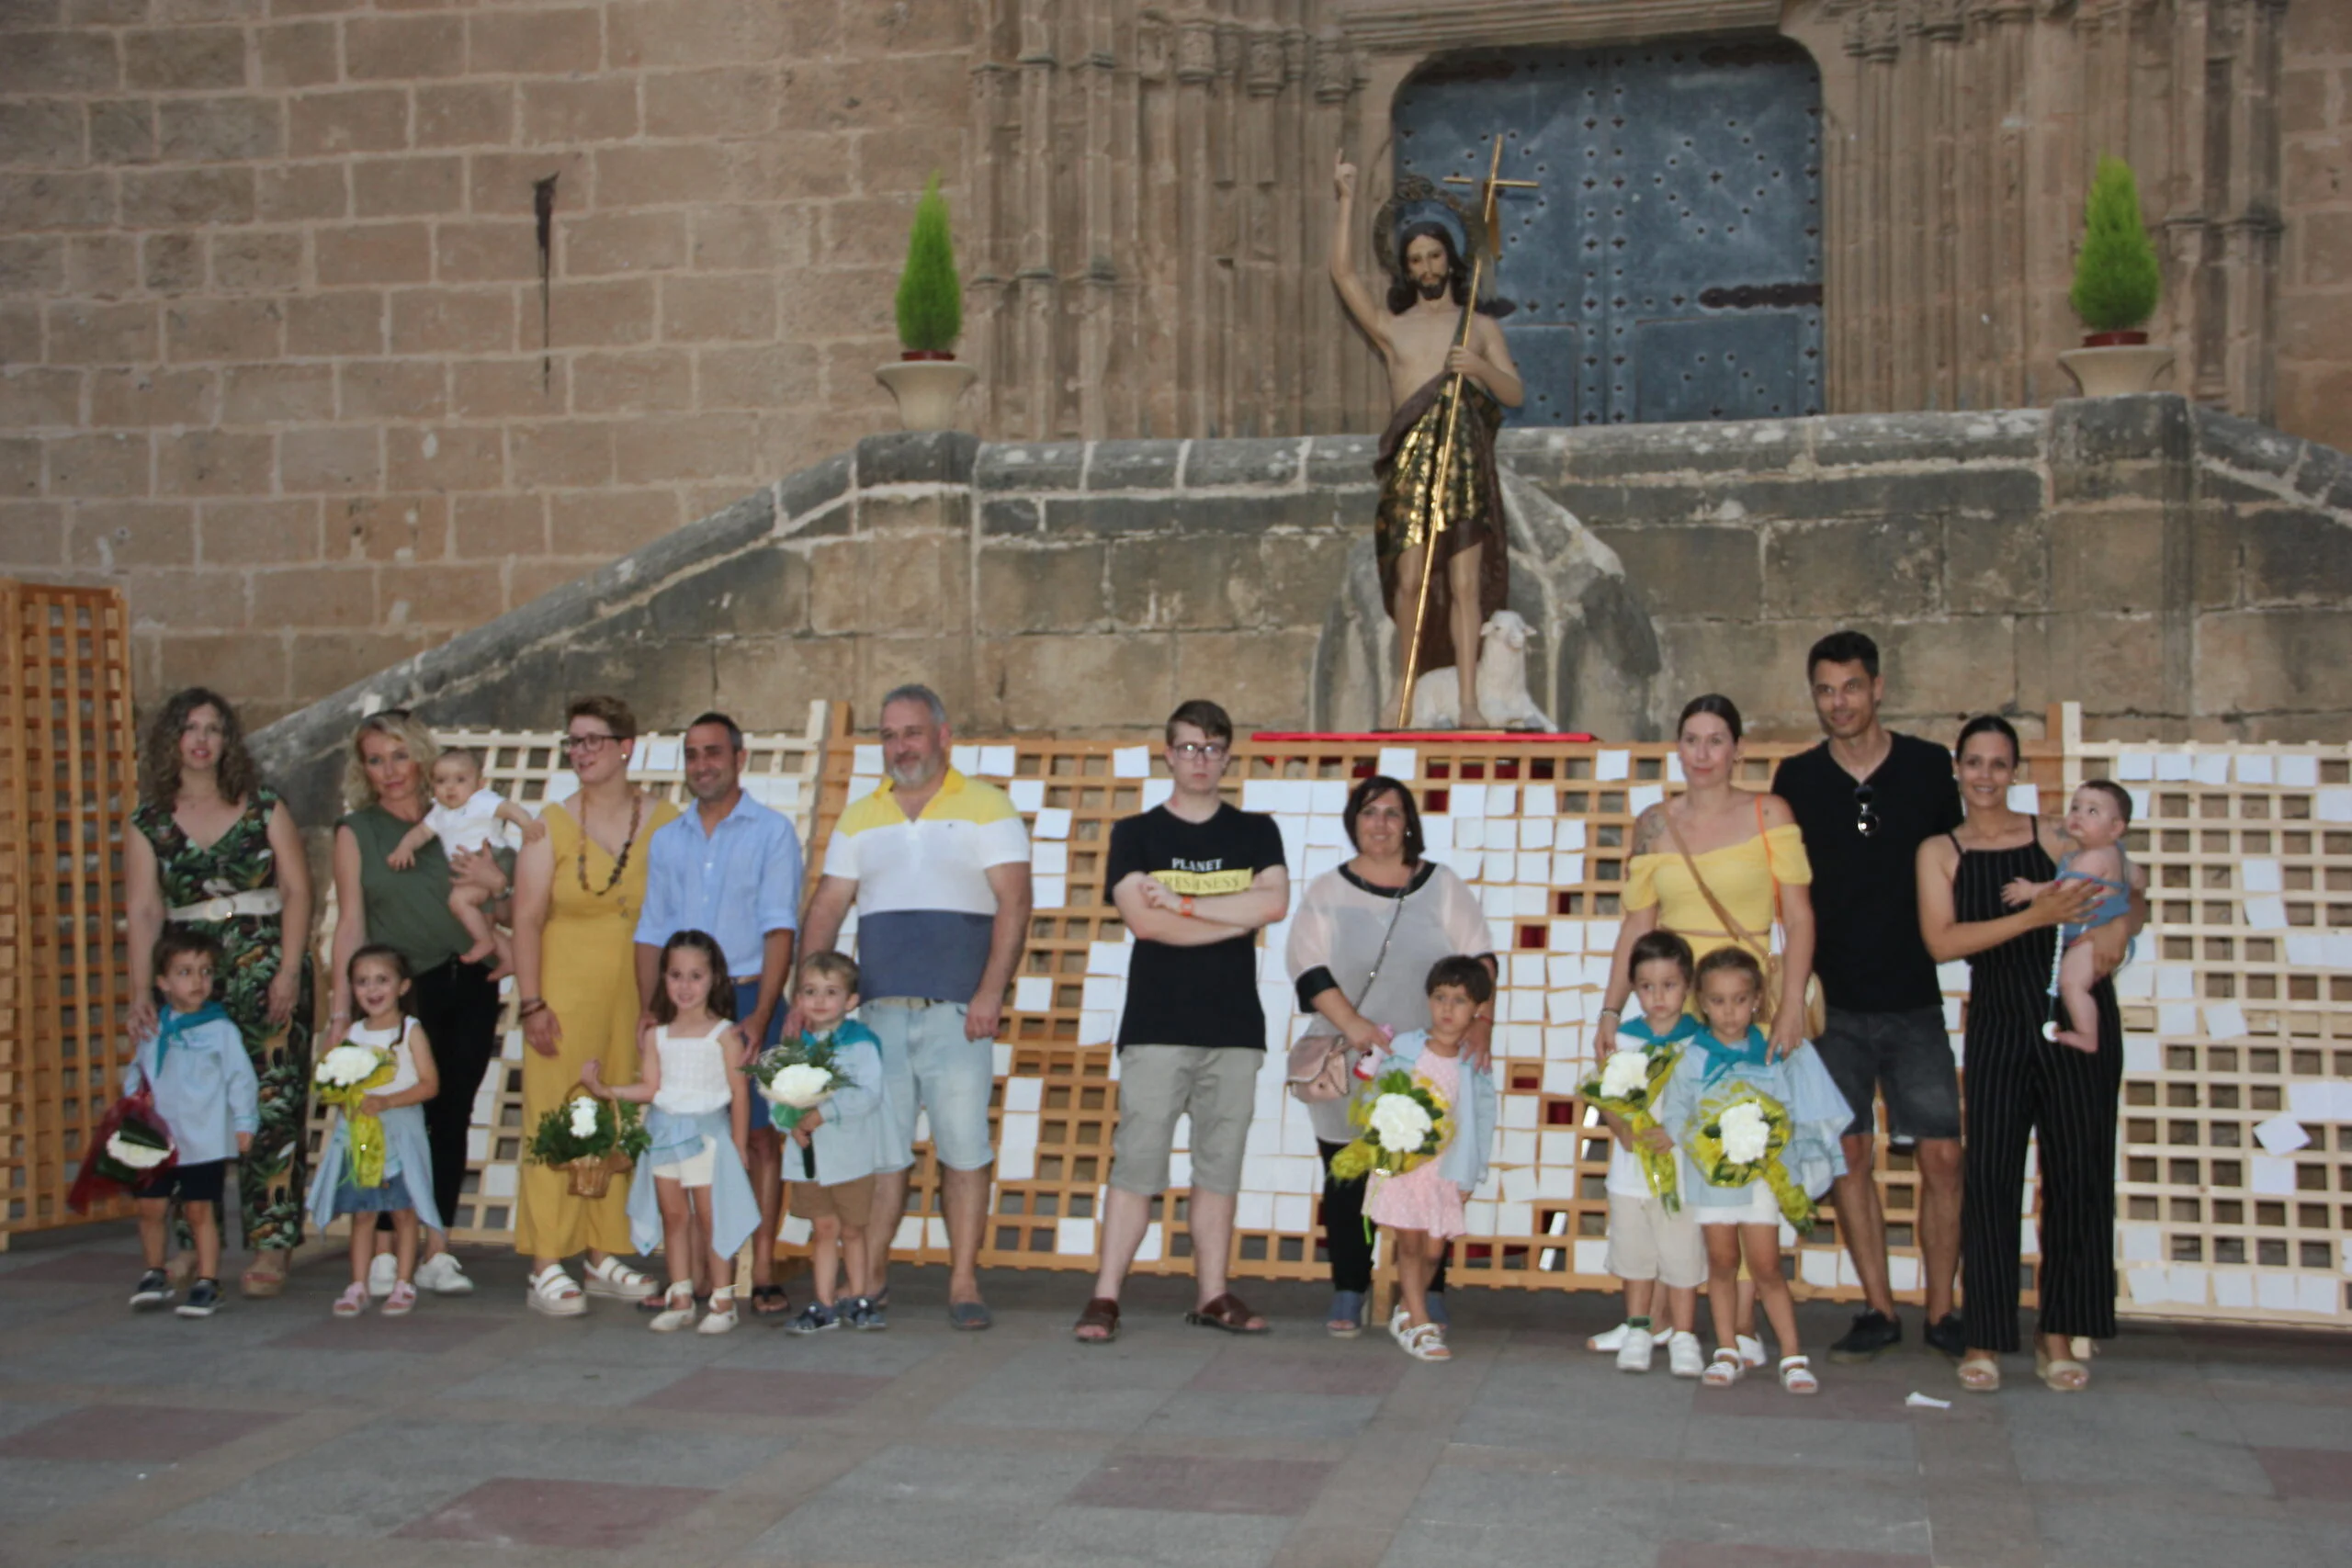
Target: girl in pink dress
{"points": [[1424, 1206]]}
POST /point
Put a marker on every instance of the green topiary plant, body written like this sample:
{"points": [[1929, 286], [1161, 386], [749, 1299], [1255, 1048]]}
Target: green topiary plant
{"points": [[2116, 281], [931, 301]]}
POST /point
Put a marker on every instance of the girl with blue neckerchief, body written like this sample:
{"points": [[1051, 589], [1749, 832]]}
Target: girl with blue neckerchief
{"points": [[1728, 1057]]}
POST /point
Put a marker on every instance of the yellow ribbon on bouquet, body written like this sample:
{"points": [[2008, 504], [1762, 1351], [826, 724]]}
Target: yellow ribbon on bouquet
{"points": [[368, 1151]]}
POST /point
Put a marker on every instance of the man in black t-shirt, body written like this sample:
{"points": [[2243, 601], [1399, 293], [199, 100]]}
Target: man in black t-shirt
{"points": [[1195, 880], [1866, 798]]}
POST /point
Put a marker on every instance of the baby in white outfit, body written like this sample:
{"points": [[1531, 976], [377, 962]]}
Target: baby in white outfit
{"points": [[470, 819]]}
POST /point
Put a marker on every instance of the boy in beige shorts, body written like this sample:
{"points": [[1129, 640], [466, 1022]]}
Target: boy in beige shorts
{"points": [[835, 1150], [1648, 1244]]}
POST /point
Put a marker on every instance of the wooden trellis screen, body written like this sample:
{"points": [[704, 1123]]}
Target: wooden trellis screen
{"points": [[66, 787]]}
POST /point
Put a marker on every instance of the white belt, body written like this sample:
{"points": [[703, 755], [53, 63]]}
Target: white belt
{"points": [[229, 906]]}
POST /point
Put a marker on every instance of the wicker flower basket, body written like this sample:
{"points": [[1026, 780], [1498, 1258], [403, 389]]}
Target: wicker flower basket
{"points": [[591, 1176]]}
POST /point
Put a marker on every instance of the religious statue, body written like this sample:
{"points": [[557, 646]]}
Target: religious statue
{"points": [[1450, 376]]}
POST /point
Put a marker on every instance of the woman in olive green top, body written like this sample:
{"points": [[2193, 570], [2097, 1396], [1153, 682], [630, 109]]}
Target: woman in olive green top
{"points": [[384, 785]]}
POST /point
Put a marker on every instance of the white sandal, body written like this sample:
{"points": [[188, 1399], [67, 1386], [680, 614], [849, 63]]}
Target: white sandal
{"points": [[1426, 1343], [677, 1309], [555, 1293], [1725, 1370], [1796, 1375], [615, 1278], [722, 1314]]}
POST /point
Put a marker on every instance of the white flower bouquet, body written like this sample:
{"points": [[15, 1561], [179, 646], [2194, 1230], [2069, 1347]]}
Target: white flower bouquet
{"points": [[343, 1077], [1736, 1138], [129, 1146], [1405, 1122], [796, 1077], [1628, 1085]]}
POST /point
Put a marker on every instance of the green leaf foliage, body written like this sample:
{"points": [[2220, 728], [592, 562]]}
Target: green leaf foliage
{"points": [[931, 300], [2116, 280]]}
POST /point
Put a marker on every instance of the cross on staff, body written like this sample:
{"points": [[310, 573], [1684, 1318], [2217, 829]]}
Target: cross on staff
{"points": [[1491, 189]]}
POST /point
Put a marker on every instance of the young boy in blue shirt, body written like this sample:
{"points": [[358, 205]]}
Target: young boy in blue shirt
{"points": [[204, 1088], [834, 1151]]}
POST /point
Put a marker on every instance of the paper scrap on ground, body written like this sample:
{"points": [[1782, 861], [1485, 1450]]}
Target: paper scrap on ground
{"points": [[1927, 1402]]}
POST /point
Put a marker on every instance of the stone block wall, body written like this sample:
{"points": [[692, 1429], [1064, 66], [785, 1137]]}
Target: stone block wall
{"points": [[2179, 572], [270, 317], [2315, 191]]}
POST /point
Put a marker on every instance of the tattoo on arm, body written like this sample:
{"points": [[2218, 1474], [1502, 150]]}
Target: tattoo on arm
{"points": [[1649, 829]]}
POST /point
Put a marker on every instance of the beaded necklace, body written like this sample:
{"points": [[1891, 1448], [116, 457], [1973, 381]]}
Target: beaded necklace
{"points": [[620, 861]]}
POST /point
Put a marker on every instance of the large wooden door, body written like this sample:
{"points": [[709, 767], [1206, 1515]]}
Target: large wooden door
{"points": [[1669, 268]]}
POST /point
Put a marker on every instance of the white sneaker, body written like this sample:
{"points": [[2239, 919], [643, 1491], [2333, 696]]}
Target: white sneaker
{"points": [[443, 1276], [383, 1273], [1751, 1350], [1683, 1356], [1633, 1355], [1613, 1340]]}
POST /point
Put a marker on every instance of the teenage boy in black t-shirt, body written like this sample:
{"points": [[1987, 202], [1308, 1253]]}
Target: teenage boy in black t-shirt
{"points": [[1865, 798], [1195, 880]]}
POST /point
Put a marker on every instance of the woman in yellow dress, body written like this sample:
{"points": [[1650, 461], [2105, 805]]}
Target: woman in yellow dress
{"points": [[1744, 844], [577, 893]]}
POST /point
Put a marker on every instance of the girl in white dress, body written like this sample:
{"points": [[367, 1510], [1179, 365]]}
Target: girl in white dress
{"points": [[691, 1191]]}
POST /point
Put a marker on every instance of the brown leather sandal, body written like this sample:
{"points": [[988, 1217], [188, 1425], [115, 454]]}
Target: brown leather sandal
{"points": [[1226, 1314], [1101, 1312]]}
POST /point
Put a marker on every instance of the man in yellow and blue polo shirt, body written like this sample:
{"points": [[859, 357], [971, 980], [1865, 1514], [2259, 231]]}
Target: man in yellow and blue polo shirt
{"points": [[937, 866]]}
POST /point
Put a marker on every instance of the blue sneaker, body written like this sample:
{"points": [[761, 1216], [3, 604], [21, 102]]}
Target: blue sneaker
{"points": [[203, 1300], [815, 1318], [866, 1315]]}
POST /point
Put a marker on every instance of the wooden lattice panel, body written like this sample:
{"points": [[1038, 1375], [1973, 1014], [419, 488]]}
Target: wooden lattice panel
{"points": [[1537, 829], [2235, 1189], [67, 782], [781, 771]]}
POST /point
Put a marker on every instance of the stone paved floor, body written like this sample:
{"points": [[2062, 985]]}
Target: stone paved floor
{"points": [[273, 1434]]}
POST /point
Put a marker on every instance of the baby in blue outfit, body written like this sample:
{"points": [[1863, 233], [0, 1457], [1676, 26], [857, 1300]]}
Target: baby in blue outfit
{"points": [[2096, 820]]}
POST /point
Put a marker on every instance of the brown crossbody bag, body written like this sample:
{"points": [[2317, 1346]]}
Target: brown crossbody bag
{"points": [[1319, 1066], [1817, 1005]]}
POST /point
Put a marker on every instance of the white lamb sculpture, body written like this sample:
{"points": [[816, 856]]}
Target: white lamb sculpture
{"points": [[1502, 683]]}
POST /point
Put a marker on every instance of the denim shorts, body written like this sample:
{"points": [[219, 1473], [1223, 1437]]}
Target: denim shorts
{"points": [[928, 1066], [1906, 1057]]}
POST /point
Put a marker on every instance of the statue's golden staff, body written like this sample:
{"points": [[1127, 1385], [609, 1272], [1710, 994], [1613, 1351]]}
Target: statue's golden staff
{"points": [[1492, 186]]}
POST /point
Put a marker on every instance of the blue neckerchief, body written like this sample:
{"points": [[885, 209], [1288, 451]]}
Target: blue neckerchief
{"points": [[1684, 1028], [180, 1023], [1754, 1052]]}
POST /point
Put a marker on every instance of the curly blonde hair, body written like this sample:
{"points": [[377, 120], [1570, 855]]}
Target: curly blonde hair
{"points": [[358, 793], [159, 749]]}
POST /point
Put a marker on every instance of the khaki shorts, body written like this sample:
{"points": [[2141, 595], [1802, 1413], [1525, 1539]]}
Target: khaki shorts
{"points": [[850, 1203], [1647, 1243], [1216, 1086]]}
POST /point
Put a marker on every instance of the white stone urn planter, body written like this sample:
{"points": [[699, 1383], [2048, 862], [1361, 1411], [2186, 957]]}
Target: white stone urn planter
{"points": [[2113, 365], [927, 390]]}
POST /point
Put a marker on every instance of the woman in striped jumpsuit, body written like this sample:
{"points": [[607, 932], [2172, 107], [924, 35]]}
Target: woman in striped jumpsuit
{"points": [[2020, 1085]]}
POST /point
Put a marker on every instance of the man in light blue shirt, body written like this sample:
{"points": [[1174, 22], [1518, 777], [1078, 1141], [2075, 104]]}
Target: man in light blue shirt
{"points": [[730, 867]]}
